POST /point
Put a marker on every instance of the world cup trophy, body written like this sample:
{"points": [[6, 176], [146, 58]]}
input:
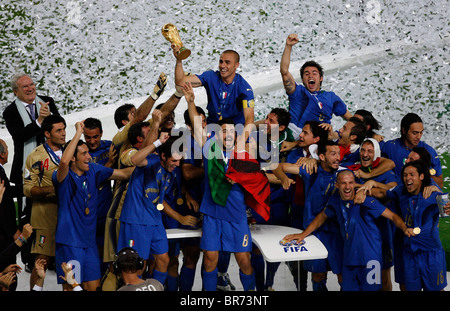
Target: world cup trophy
{"points": [[170, 32]]}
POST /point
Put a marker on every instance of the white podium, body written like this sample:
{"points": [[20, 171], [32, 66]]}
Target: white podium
{"points": [[267, 239]]}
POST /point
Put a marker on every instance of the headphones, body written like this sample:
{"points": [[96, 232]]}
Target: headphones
{"points": [[127, 255]]}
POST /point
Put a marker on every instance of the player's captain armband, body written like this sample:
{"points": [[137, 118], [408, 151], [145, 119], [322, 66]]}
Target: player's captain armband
{"points": [[248, 103]]}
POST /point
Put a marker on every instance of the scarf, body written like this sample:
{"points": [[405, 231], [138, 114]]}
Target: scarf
{"points": [[31, 143]]}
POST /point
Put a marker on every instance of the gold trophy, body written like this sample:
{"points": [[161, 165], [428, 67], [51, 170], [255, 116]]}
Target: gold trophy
{"points": [[170, 32]]}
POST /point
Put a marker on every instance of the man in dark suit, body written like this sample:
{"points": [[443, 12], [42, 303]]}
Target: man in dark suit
{"points": [[23, 118], [9, 230]]}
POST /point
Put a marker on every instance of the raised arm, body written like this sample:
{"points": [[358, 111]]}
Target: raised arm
{"points": [[144, 109], [140, 158], [195, 117], [180, 77], [288, 79], [64, 163]]}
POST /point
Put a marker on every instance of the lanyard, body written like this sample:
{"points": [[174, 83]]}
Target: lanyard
{"points": [[52, 154]]}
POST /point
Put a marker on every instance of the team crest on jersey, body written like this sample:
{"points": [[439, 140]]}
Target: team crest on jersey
{"points": [[42, 239], [130, 243]]}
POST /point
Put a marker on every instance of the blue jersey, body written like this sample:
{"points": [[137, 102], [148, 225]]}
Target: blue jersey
{"points": [[146, 189], [318, 188], [226, 100], [173, 197], [279, 197], [397, 151], [418, 212], [362, 238], [100, 156], [235, 207], [318, 106], [77, 205]]}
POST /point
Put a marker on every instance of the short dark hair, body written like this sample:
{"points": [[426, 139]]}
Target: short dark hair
{"points": [[311, 63], [317, 130], [166, 148], [226, 121], [187, 119], [425, 156], [406, 122], [121, 114], [359, 129], [421, 169], [79, 143], [49, 121], [370, 120], [93, 123], [283, 116], [322, 146], [135, 131], [236, 54]]}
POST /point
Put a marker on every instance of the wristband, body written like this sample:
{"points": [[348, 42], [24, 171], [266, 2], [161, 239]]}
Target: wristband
{"points": [[154, 96], [157, 143], [178, 94], [22, 239]]}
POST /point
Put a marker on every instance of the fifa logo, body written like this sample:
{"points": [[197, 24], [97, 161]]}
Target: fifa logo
{"points": [[293, 247]]}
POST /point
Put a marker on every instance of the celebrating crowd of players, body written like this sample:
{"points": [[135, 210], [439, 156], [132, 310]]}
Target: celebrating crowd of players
{"points": [[104, 206]]}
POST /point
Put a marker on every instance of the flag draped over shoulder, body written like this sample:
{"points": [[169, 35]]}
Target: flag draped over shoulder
{"points": [[243, 170], [246, 171], [220, 187]]}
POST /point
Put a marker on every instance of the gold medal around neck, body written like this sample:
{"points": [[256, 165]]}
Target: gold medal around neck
{"points": [[160, 207], [180, 201], [416, 230], [86, 210]]}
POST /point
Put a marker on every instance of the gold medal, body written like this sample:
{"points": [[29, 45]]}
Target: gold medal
{"points": [[416, 230], [86, 210], [432, 172], [180, 201], [160, 207]]}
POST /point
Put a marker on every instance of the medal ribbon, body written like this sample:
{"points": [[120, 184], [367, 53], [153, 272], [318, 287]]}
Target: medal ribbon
{"points": [[55, 159]]}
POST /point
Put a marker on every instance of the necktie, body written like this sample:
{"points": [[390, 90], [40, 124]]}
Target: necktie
{"points": [[32, 112]]}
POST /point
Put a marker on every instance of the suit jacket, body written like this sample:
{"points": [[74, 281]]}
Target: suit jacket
{"points": [[8, 225], [20, 134]]}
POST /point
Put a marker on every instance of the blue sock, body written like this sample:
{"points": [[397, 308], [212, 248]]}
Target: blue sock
{"points": [[248, 281], [257, 261], [160, 276], [172, 283], [224, 261], [186, 280], [209, 280], [320, 286]]}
